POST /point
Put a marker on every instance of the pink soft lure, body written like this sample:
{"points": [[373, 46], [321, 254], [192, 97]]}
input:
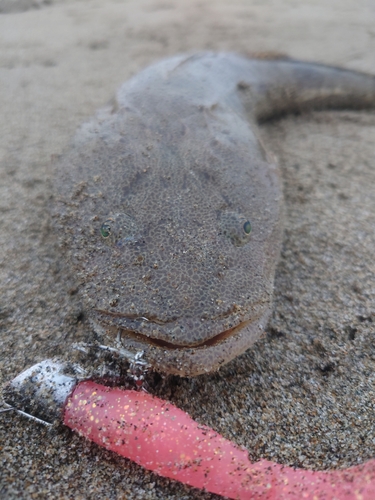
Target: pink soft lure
{"points": [[164, 439]]}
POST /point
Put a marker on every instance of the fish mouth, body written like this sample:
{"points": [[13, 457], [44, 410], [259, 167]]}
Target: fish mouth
{"points": [[183, 359], [157, 342], [217, 339]]}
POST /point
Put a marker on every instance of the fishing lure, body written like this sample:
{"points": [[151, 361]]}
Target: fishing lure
{"points": [[164, 439]]}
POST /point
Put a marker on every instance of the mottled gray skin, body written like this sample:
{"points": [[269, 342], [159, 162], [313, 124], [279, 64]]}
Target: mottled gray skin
{"points": [[154, 194]]}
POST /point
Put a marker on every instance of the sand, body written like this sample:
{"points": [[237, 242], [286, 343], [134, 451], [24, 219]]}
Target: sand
{"points": [[304, 395]]}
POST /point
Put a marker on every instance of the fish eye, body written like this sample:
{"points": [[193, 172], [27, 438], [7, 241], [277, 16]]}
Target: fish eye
{"points": [[119, 229], [247, 227], [106, 228], [236, 227]]}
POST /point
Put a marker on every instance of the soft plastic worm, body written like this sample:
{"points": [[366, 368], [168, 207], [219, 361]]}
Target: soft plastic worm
{"points": [[164, 439]]}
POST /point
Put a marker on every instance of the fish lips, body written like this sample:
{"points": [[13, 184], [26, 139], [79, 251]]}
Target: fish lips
{"points": [[181, 359]]}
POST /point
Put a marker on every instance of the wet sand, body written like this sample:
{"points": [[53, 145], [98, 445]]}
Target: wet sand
{"points": [[304, 395]]}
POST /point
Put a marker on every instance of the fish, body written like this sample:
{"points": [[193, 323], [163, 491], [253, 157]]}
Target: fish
{"points": [[169, 207]]}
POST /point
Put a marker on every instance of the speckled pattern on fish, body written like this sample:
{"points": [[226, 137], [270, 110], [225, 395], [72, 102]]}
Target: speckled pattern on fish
{"points": [[170, 209]]}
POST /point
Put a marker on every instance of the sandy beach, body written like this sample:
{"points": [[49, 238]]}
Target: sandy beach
{"points": [[304, 395]]}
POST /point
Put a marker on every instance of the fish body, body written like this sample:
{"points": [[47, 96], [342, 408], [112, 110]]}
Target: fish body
{"points": [[170, 208]]}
